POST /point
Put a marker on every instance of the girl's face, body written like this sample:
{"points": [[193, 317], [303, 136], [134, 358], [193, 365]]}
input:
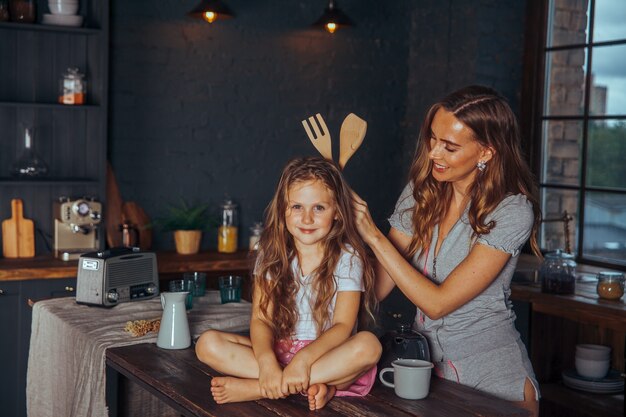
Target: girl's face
{"points": [[311, 212], [454, 151]]}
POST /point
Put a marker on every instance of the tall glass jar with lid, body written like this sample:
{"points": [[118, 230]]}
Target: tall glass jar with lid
{"points": [[227, 231], [558, 273]]}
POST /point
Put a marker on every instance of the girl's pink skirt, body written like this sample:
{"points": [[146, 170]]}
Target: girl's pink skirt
{"points": [[286, 349]]}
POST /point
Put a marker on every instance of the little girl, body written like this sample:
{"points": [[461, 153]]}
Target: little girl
{"points": [[310, 272]]}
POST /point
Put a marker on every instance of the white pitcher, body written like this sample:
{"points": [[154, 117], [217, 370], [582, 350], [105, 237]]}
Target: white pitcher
{"points": [[174, 330]]}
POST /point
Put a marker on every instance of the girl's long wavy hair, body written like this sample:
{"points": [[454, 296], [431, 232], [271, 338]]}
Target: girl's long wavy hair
{"points": [[494, 125], [273, 275]]}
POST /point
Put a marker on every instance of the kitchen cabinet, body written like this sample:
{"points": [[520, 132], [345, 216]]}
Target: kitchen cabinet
{"points": [[71, 139], [15, 323]]}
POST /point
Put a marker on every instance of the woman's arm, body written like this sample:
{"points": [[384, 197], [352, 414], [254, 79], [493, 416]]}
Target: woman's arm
{"points": [[262, 338], [471, 277], [296, 375]]}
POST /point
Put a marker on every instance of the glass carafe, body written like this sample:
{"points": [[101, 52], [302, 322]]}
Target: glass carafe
{"points": [[29, 164], [558, 273]]}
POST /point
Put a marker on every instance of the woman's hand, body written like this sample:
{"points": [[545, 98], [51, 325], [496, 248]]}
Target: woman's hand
{"points": [[363, 219], [296, 376], [270, 378]]}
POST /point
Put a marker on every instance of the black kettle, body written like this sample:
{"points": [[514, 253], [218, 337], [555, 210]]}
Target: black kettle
{"points": [[403, 343]]}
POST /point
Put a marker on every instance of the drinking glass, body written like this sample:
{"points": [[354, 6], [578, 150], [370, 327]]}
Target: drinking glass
{"points": [[230, 288], [179, 285]]}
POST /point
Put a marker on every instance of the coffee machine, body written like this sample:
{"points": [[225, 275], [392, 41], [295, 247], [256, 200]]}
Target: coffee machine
{"points": [[76, 227]]}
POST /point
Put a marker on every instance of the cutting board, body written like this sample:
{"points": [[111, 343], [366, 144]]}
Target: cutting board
{"points": [[113, 210], [18, 233], [136, 216]]}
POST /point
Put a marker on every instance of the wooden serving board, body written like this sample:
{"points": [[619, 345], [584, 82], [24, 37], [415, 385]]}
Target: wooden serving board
{"points": [[18, 233], [113, 212]]}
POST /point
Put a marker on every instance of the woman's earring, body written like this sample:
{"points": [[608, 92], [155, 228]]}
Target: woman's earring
{"points": [[481, 165]]}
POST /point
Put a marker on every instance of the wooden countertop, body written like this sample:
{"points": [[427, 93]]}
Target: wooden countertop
{"points": [[583, 306], [48, 267]]}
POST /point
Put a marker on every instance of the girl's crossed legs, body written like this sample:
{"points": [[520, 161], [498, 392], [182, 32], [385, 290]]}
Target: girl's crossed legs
{"points": [[231, 354]]}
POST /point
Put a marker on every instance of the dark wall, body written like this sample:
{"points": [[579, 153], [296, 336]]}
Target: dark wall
{"points": [[199, 111]]}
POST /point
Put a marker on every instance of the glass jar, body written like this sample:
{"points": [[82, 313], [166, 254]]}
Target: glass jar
{"points": [[72, 87], [22, 11], [227, 231], [558, 273], [255, 235], [610, 285]]}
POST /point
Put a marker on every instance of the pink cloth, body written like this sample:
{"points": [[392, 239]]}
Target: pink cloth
{"points": [[286, 349]]}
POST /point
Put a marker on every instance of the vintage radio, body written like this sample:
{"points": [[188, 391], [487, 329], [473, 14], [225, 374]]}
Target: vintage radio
{"points": [[115, 276]]}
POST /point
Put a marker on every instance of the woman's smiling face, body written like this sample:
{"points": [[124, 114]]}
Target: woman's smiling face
{"points": [[454, 151]]}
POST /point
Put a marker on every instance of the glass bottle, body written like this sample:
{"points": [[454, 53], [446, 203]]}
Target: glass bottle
{"points": [[227, 231], [558, 273], [29, 164], [255, 235], [72, 87]]}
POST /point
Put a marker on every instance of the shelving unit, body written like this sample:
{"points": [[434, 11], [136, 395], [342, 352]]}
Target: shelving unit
{"points": [[72, 140]]}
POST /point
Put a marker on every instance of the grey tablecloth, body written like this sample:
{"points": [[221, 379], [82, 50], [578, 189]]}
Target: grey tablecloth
{"points": [[66, 362]]}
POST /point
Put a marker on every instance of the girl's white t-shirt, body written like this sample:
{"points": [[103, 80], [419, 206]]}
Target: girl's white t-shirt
{"points": [[348, 277]]}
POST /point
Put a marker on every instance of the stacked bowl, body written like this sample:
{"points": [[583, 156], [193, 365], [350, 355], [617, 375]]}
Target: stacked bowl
{"points": [[592, 361], [63, 13]]}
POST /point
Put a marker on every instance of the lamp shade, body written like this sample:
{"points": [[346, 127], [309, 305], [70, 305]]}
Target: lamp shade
{"points": [[211, 10], [333, 18]]}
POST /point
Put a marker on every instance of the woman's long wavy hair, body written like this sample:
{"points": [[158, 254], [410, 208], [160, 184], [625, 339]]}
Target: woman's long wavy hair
{"points": [[273, 275], [494, 125]]}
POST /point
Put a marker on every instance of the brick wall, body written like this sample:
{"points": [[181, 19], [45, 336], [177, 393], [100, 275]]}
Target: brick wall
{"points": [[198, 111]]}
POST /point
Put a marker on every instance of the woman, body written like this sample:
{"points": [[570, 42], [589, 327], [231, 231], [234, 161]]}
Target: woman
{"points": [[456, 235]]}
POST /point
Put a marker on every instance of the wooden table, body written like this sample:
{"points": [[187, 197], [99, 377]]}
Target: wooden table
{"points": [[178, 378]]}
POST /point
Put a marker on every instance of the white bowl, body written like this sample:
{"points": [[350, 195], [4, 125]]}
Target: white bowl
{"points": [[592, 369], [63, 7], [593, 352], [62, 20]]}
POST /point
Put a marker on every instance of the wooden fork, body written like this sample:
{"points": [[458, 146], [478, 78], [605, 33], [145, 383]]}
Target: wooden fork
{"points": [[320, 136]]}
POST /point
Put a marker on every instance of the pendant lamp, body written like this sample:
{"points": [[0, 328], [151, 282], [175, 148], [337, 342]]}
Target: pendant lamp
{"points": [[211, 10], [333, 18]]}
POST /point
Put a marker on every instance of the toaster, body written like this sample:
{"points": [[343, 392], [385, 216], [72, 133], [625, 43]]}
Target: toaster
{"points": [[115, 276]]}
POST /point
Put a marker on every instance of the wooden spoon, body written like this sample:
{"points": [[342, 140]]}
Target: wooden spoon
{"points": [[351, 137]]}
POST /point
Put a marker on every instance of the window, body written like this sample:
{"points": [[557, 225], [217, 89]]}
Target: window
{"points": [[576, 121]]}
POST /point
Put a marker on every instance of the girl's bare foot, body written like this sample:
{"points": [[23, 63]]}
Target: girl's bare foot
{"points": [[319, 395], [230, 390]]}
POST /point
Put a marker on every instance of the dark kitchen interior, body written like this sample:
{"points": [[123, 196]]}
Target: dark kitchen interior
{"points": [[183, 110]]}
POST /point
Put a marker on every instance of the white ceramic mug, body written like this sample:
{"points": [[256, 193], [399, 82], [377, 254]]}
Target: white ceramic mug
{"points": [[411, 378]]}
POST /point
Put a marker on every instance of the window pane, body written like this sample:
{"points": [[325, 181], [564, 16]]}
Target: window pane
{"points": [[606, 148], [568, 22], [560, 157], [610, 16], [609, 74], [605, 227], [565, 81], [554, 203]]}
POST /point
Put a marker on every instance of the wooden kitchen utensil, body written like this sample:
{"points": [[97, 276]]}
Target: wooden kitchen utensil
{"points": [[18, 233], [113, 213], [136, 216], [351, 137], [320, 136]]}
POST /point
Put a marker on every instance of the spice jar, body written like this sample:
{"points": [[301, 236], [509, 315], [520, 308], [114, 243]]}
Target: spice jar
{"points": [[558, 273], [227, 232], [610, 285], [72, 87], [255, 235]]}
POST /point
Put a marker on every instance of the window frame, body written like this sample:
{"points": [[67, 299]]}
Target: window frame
{"points": [[532, 111]]}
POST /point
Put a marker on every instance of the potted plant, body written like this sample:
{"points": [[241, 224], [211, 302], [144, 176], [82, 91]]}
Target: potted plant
{"points": [[187, 221]]}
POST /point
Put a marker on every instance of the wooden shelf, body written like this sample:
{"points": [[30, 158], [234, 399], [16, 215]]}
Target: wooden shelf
{"points": [[51, 106], [49, 28], [46, 181], [47, 267], [556, 397]]}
